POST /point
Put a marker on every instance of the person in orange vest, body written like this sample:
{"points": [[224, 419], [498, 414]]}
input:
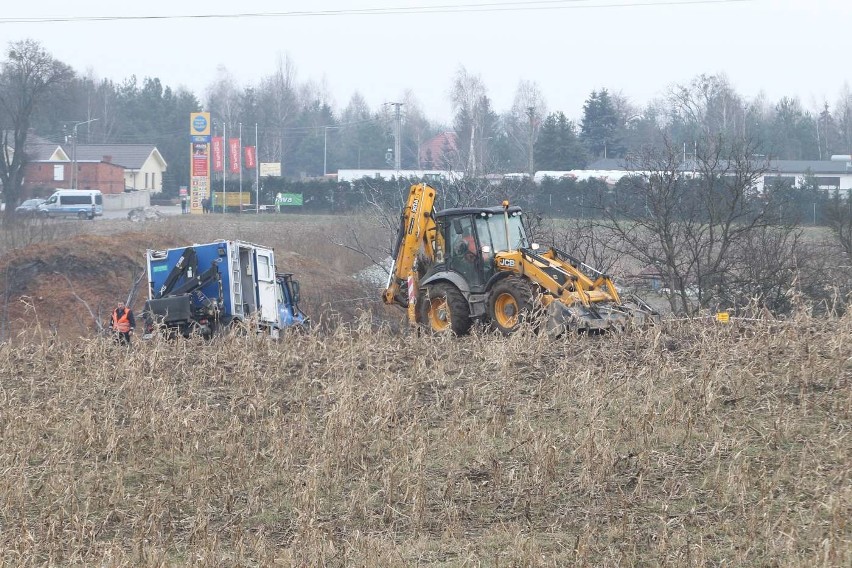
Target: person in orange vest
{"points": [[122, 323]]}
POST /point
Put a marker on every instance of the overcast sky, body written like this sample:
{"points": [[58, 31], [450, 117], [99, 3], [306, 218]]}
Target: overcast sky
{"points": [[568, 47]]}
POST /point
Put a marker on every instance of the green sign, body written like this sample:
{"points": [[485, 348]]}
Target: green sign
{"points": [[288, 199]]}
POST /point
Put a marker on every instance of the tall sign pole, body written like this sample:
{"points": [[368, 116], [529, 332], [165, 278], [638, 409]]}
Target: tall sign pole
{"points": [[224, 167], [256, 169], [199, 152], [240, 154]]}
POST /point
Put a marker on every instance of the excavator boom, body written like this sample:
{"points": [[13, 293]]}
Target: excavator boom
{"points": [[415, 236]]}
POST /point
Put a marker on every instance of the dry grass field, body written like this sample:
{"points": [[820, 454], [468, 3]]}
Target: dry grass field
{"points": [[688, 444], [683, 445]]}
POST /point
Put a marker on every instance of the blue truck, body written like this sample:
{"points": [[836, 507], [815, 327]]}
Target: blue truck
{"points": [[207, 288]]}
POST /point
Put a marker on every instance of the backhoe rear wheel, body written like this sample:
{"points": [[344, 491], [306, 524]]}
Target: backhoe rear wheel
{"points": [[510, 303], [443, 309]]}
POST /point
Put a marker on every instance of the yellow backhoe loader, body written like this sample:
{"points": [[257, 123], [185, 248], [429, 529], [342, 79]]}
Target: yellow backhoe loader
{"points": [[457, 266]]}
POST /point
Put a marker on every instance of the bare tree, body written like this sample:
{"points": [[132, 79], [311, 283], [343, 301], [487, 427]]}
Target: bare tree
{"points": [[706, 230], [710, 105], [467, 96], [523, 121], [26, 77], [838, 214], [279, 104], [223, 99]]}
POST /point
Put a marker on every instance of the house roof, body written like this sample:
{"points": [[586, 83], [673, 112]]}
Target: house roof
{"points": [[46, 151], [778, 167], [129, 156], [437, 146]]}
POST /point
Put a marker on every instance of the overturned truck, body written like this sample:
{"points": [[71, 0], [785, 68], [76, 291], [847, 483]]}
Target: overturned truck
{"points": [[207, 288]]}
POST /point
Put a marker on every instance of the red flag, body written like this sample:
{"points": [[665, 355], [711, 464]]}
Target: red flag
{"points": [[251, 158], [218, 154], [234, 156]]}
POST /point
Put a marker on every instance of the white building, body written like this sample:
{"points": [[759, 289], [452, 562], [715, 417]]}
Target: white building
{"points": [[387, 175]]}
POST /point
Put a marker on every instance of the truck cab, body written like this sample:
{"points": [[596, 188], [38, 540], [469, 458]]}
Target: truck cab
{"points": [[288, 297]]}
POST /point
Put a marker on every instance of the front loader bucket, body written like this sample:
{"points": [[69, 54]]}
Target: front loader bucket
{"points": [[560, 319]]}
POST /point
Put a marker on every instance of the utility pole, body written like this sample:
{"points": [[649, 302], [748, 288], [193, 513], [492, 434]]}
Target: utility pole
{"points": [[74, 175], [325, 148], [397, 136], [531, 145]]}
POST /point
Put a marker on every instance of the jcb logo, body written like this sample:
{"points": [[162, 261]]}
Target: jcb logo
{"points": [[507, 262], [415, 205]]}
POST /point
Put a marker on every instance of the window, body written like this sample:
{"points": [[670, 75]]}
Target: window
{"points": [[75, 199], [264, 270], [59, 173], [823, 181], [146, 180], [779, 182], [153, 185]]}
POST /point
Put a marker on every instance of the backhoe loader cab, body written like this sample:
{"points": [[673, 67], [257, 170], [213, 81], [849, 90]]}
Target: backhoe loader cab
{"points": [[472, 237], [461, 265]]}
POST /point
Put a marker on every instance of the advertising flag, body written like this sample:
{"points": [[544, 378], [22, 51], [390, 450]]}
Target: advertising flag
{"points": [[251, 158], [218, 151], [235, 163]]}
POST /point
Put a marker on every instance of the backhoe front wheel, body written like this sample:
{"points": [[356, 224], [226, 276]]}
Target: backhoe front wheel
{"points": [[510, 303], [443, 309]]}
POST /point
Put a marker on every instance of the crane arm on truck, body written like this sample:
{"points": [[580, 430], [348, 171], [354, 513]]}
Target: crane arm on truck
{"points": [[187, 263], [199, 281]]}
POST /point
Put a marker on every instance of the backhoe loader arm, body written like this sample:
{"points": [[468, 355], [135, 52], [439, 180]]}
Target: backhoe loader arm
{"points": [[417, 234]]}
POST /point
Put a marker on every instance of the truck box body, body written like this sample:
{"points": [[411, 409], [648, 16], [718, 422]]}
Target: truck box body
{"points": [[223, 281]]}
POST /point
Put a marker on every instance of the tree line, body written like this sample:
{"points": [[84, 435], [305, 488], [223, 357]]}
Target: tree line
{"points": [[709, 237], [300, 128]]}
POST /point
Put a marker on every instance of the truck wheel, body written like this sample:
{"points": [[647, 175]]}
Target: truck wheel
{"points": [[443, 309], [82, 215], [510, 303]]}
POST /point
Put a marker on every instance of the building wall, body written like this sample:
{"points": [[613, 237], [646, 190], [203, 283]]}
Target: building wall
{"points": [[41, 178], [844, 187], [150, 176]]}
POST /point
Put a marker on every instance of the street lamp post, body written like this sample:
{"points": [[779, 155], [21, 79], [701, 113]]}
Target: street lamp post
{"points": [[325, 149], [74, 152]]}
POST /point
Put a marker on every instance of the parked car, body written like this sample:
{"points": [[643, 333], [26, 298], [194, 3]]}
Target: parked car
{"points": [[29, 207]]}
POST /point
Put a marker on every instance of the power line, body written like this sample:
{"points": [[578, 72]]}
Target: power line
{"points": [[438, 9]]}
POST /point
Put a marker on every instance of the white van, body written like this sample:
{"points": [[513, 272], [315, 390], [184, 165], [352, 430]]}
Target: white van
{"points": [[80, 203]]}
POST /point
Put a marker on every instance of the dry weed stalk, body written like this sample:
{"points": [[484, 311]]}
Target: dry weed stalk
{"points": [[687, 444]]}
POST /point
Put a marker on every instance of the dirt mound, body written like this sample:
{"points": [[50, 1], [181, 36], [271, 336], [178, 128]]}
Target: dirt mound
{"points": [[65, 287]]}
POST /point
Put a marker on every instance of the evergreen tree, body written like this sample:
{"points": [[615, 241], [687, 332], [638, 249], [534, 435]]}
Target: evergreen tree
{"points": [[600, 130], [793, 132], [558, 147]]}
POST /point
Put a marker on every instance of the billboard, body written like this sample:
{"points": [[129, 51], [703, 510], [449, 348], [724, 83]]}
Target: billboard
{"points": [[288, 199], [270, 169], [199, 152]]}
